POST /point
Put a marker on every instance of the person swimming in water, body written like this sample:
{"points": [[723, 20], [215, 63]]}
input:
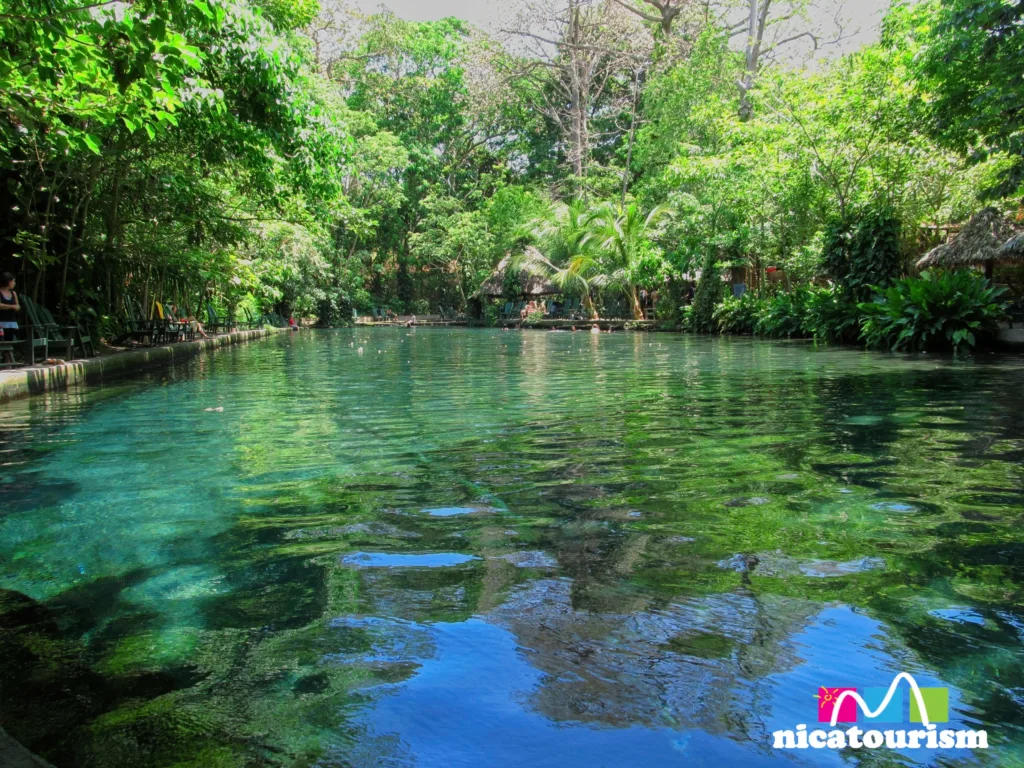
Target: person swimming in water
{"points": [[595, 328]]}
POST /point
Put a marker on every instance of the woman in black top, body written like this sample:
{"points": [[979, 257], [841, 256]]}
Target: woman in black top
{"points": [[9, 309], [9, 304]]}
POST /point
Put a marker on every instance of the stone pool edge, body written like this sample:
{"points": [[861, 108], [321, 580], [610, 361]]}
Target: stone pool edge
{"points": [[13, 755], [37, 380]]}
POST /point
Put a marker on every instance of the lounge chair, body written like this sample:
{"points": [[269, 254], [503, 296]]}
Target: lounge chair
{"points": [[137, 329], [83, 338], [252, 322], [506, 312], [214, 324], [35, 332], [80, 339]]}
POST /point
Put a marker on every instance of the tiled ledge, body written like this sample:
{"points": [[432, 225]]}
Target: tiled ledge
{"points": [[21, 382]]}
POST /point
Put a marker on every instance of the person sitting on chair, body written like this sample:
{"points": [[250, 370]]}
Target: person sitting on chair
{"points": [[193, 324]]}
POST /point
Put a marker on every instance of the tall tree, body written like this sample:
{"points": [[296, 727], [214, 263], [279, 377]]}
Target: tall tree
{"points": [[583, 56], [667, 11], [769, 26], [972, 78]]}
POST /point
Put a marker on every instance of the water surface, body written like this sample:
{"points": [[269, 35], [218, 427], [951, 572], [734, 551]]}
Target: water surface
{"points": [[465, 548]]}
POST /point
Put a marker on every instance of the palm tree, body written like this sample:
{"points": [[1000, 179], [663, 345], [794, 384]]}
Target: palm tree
{"points": [[622, 239], [569, 262]]}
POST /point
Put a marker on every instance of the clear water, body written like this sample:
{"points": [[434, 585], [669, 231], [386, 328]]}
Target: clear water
{"points": [[468, 548]]}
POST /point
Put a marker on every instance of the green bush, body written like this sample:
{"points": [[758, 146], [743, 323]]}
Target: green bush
{"points": [[832, 316], [701, 317], [492, 312], [859, 258], [738, 315], [784, 315], [947, 311]]}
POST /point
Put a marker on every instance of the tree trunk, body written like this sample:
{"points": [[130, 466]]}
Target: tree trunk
{"points": [[638, 311], [588, 305], [756, 22], [579, 138], [632, 137]]}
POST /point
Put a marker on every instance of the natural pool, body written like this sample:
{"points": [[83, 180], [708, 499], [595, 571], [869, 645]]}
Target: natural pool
{"points": [[469, 548]]}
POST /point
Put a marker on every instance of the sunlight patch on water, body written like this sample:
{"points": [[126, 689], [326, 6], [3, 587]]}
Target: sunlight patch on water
{"points": [[391, 560], [458, 511]]}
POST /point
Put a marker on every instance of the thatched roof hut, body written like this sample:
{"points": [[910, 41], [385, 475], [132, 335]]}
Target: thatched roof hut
{"points": [[1013, 249], [980, 241], [532, 285]]}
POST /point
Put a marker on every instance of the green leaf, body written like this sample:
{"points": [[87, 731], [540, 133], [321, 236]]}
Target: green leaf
{"points": [[92, 143]]}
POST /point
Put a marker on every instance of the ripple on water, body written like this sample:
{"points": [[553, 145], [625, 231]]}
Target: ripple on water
{"points": [[459, 511], [959, 615], [893, 506], [405, 560], [530, 559]]}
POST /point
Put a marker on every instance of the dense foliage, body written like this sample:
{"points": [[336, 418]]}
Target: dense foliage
{"points": [[306, 157], [952, 311]]}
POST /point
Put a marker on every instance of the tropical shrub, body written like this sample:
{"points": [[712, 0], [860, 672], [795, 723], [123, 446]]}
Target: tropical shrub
{"points": [[859, 258], [947, 311], [784, 315], [738, 315], [832, 316], [701, 317]]}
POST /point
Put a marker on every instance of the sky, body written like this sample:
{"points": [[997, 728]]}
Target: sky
{"points": [[864, 15]]}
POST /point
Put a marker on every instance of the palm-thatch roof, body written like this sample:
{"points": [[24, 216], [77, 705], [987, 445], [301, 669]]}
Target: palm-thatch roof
{"points": [[531, 285], [1013, 249], [981, 240]]}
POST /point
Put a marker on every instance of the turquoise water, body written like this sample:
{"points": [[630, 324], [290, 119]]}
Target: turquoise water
{"points": [[463, 548]]}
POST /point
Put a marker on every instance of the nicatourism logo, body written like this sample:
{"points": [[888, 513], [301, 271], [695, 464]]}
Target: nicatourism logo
{"points": [[884, 707]]}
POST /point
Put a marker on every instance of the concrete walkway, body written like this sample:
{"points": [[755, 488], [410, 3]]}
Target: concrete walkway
{"points": [[13, 755], [36, 380], [1011, 338]]}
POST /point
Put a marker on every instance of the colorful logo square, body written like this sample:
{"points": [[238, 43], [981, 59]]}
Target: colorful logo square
{"points": [[827, 698], [893, 712], [936, 702]]}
